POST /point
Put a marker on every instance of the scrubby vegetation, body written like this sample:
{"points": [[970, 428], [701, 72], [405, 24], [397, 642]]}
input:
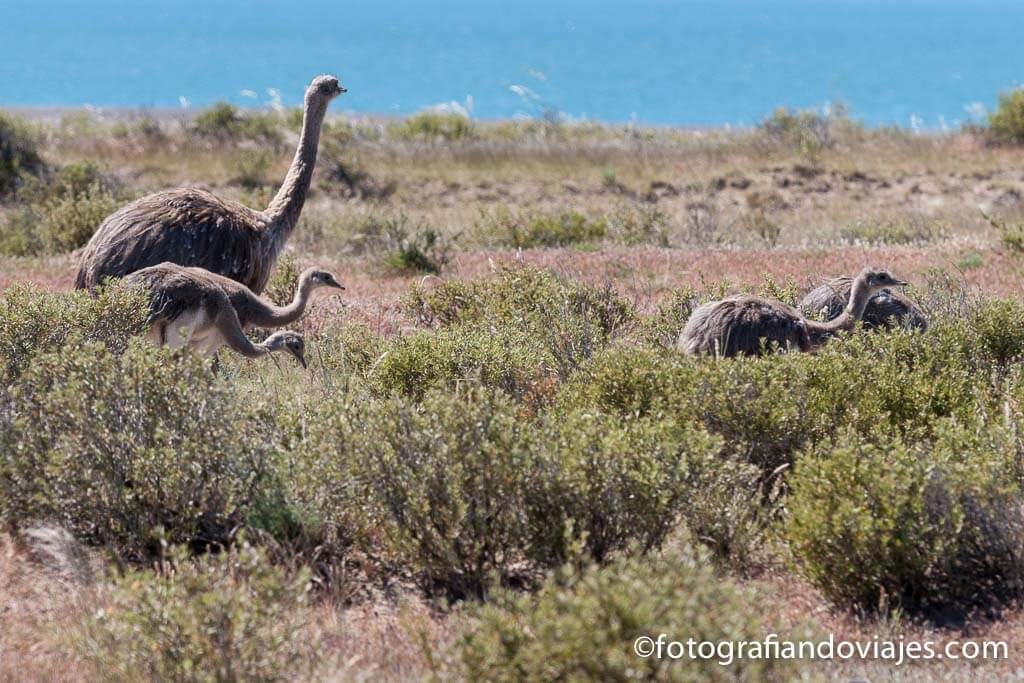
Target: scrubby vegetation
{"points": [[532, 436], [495, 428]]}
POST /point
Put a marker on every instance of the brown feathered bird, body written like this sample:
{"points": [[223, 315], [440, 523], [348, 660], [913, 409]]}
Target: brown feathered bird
{"points": [[203, 310], [749, 325], [193, 227], [886, 309]]}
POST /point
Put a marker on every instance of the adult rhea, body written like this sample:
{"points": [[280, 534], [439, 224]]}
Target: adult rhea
{"points": [[192, 227], [747, 325]]}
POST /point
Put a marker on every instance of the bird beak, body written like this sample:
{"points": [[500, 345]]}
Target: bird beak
{"points": [[339, 285], [302, 359], [342, 89], [901, 283]]}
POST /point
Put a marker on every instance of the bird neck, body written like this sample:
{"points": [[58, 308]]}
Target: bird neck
{"points": [[860, 294], [284, 209], [268, 315]]}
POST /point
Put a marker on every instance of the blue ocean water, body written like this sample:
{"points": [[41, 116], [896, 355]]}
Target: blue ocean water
{"points": [[688, 62]]}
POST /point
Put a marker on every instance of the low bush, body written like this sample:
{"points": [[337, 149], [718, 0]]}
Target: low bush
{"points": [[451, 475], [33, 321], [634, 224], [458, 355], [531, 230], [809, 133], [402, 247], [61, 213], [224, 121], [435, 125], [127, 450], [883, 522], [907, 230], [252, 166], [583, 626], [767, 409], [606, 484], [1006, 123], [19, 154], [226, 617]]}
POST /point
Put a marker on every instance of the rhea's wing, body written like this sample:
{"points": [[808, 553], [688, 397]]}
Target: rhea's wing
{"points": [[891, 308], [172, 290], [186, 227], [828, 300], [743, 326]]}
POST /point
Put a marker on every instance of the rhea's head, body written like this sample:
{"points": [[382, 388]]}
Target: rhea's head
{"points": [[324, 88], [320, 278], [291, 342], [878, 279]]}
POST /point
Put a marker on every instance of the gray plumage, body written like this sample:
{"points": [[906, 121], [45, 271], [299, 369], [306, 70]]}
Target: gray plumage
{"points": [[886, 309], [193, 227], [749, 326], [174, 289], [196, 308]]}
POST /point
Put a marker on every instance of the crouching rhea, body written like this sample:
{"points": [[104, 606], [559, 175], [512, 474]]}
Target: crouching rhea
{"points": [[748, 325]]}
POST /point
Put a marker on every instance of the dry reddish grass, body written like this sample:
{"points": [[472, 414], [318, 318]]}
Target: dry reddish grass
{"points": [[797, 602], [35, 606], [643, 274]]}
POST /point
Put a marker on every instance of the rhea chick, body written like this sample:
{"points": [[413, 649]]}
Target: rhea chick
{"points": [[203, 310]]}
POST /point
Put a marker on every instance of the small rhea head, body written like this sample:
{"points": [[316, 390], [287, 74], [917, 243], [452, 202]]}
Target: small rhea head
{"points": [[325, 87], [878, 279], [321, 278], [289, 341]]}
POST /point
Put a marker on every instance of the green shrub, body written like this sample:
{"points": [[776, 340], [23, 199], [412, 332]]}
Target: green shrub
{"points": [[402, 247], [33, 322], [226, 617], [252, 167], [435, 125], [608, 484], [19, 154], [463, 354], [451, 475], [999, 326], [908, 230], [284, 281], [565, 321], [769, 408], [530, 230], [124, 450], [1011, 235], [583, 626], [641, 223], [881, 522], [224, 121], [423, 251], [1006, 123], [808, 133], [60, 214], [320, 505], [662, 328]]}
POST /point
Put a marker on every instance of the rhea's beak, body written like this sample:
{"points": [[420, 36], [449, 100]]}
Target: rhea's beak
{"points": [[901, 283], [302, 359], [342, 89]]}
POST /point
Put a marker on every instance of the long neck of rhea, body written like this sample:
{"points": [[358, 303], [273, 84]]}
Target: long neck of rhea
{"points": [[860, 294], [283, 212], [268, 315]]}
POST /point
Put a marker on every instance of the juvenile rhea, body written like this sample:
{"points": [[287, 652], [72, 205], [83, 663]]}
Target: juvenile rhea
{"points": [[886, 309], [194, 307], [747, 325]]}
